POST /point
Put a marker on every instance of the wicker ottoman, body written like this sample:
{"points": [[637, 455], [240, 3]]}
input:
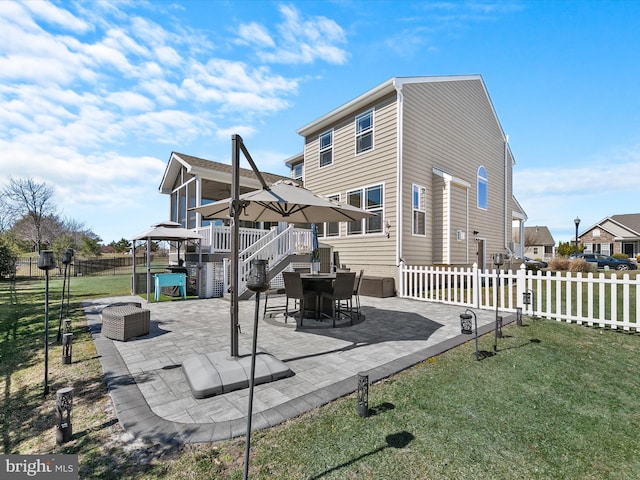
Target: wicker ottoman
{"points": [[124, 322]]}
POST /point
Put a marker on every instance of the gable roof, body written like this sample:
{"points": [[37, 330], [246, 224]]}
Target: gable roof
{"points": [[538, 236], [631, 221], [624, 226], [210, 170], [394, 84]]}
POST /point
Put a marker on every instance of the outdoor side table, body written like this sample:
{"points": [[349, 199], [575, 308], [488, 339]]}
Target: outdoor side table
{"points": [[123, 322]]}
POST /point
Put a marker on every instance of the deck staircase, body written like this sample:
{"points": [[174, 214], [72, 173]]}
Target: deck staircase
{"points": [[280, 249]]}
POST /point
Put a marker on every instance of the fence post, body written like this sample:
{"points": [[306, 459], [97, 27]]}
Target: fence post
{"points": [[521, 285], [475, 285], [401, 269]]}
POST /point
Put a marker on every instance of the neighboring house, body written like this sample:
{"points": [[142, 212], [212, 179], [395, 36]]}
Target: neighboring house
{"points": [[614, 234], [427, 156], [538, 243]]}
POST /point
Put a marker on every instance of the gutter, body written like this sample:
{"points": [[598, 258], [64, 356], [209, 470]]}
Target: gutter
{"points": [[399, 183], [506, 195]]}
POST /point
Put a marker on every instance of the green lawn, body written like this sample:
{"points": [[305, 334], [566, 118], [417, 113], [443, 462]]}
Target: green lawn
{"points": [[558, 401]]}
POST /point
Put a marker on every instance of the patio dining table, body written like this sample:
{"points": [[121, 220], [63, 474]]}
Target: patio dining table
{"points": [[318, 283]]}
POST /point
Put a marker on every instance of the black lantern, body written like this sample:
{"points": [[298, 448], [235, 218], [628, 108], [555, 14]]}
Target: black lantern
{"points": [[258, 280], [577, 222], [465, 326], [64, 405], [46, 262], [67, 256], [363, 394], [465, 323], [529, 299]]}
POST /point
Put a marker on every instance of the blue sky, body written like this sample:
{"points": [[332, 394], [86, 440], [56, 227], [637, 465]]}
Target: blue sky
{"points": [[94, 96]]}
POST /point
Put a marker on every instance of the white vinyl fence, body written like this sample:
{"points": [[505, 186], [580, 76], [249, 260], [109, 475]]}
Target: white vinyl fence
{"points": [[594, 299]]}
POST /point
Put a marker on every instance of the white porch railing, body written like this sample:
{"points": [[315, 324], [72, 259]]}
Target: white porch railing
{"points": [[273, 247], [573, 297], [218, 237]]}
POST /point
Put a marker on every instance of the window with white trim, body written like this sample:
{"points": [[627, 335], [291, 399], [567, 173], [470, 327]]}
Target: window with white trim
{"points": [[419, 210], [370, 199], [364, 132], [297, 171], [483, 182], [326, 148], [332, 229]]}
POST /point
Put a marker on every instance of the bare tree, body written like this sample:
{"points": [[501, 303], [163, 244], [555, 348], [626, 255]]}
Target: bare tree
{"points": [[5, 217], [32, 201]]}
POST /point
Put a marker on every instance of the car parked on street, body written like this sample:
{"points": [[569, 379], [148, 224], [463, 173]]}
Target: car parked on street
{"points": [[532, 264], [606, 261]]}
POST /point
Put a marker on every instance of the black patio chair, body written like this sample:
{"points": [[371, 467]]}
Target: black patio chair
{"points": [[342, 292], [295, 290]]}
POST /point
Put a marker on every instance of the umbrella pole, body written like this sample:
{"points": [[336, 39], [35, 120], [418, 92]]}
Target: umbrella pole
{"points": [[235, 237]]}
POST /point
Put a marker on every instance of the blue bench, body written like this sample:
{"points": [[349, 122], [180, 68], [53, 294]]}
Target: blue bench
{"points": [[170, 280]]}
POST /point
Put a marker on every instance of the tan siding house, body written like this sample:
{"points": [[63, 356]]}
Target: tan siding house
{"points": [[429, 157], [426, 155]]}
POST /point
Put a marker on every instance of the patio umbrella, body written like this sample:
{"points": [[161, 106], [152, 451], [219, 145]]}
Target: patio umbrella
{"points": [[315, 247], [314, 237], [284, 201], [171, 231]]}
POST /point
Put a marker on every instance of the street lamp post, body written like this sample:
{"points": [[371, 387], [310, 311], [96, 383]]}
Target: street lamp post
{"points": [[577, 222]]}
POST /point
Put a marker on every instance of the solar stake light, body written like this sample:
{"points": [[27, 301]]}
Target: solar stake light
{"points": [[258, 281], [363, 394], [67, 347], [465, 326], [67, 257], [46, 262], [64, 405], [528, 298]]}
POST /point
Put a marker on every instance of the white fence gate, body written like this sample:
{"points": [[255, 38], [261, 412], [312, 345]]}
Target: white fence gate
{"points": [[594, 299]]}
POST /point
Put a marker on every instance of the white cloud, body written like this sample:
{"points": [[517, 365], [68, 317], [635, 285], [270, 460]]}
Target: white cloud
{"points": [[89, 93], [255, 34], [51, 14], [244, 131], [299, 40], [130, 101]]}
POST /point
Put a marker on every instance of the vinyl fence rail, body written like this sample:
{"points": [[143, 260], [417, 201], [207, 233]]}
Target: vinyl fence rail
{"points": [[606, 300]]}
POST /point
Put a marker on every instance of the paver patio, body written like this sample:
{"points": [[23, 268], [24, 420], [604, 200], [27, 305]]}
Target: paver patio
{"points": [[152, 397]]}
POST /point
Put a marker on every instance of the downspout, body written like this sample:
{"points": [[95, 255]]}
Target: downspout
{"points": [[399, 183], [506, 195]]}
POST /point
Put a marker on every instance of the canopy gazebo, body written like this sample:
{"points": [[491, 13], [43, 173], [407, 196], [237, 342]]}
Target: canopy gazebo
{"points": [[164, 231]]}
